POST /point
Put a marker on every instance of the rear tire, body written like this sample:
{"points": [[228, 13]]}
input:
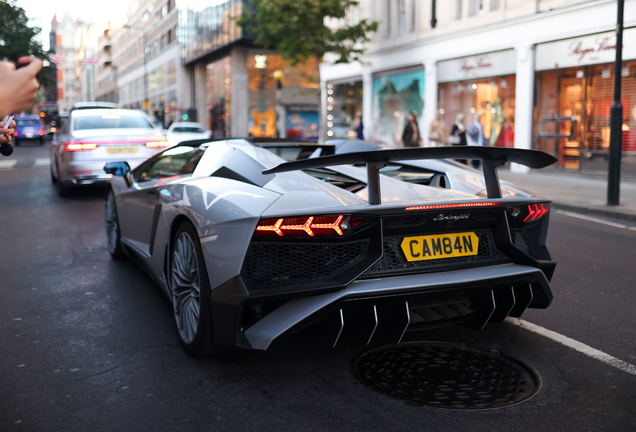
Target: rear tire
{"points": [[113, 232], [62, 190], [190, 293]]}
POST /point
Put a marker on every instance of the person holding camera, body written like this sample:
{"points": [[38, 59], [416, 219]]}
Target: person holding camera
{"points": [[18, 86]]}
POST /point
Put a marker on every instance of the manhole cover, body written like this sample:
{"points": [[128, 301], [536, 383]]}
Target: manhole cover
{"points": [[445, 375]]}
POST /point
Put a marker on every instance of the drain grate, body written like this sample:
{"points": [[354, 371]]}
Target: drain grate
{"points": [[444, 375]]}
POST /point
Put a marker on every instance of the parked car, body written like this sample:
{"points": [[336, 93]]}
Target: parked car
{"points": [[90, 138], [28, 128], [184, 131], [250, 248]]}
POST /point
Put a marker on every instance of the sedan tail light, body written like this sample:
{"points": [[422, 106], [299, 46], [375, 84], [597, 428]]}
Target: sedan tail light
{"points": [[157, 144], [79, 146]]}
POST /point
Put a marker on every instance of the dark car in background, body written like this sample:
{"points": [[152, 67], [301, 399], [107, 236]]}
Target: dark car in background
{"points": [[28, 128]]}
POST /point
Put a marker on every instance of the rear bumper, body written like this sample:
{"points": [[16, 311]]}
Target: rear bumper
{"points": [[388, 307]]}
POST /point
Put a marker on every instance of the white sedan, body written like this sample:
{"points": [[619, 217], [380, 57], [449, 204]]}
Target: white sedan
{"points": [[184, 131]]}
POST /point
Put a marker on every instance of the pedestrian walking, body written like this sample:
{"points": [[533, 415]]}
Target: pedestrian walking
{"points": [[458, 134], [437, 131], [475, 137], [411, 136], [359, 128]]}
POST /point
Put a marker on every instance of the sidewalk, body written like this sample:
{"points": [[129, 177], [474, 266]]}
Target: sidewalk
{"points": [[576, 192]]}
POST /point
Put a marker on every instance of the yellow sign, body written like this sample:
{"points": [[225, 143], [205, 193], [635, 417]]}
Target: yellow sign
{"points": [[440, 246], [146, 105]]}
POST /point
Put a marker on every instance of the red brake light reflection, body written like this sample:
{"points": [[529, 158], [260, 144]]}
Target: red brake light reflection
{"points": [[535, 212], [157, 144], [443, 206], [307, 224]]}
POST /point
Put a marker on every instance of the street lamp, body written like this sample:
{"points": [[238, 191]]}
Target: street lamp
{"points": [[146, 102], [616, 117]]}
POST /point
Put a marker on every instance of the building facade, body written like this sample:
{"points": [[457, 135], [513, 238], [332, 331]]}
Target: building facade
{"points": [[145, 52], [65, 58], [106, 73], [237, 89], [535, 73]]}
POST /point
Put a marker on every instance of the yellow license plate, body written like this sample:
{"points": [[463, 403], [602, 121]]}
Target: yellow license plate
{"points": [[122, 149], [440, 246]]}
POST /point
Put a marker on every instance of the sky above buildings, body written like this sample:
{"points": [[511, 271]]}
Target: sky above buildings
{"points": [[100, 12]]}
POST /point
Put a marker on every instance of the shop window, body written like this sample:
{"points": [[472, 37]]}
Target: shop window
{"points": [[344, 104], [492, 99], [297, 94], [219, 91], [573, 116], [395, 95]]}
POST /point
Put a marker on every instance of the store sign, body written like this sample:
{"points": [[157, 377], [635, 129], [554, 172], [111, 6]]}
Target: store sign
{"points": [[477, 66], [586, 50]]}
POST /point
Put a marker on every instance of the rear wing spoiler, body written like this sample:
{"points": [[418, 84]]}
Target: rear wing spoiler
{"points": [[492, 157]]}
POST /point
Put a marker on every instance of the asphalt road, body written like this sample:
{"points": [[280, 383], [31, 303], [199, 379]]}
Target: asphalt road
{"points": [[87, 343]]}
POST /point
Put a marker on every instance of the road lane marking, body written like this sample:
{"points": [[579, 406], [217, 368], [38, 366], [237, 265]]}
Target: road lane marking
{"points": [[575, 345], [42, 162], [593, 219], [8, 164]]}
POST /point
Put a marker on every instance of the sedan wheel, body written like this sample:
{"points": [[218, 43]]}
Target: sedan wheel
{"points": [[191, 293], [113, 234]]}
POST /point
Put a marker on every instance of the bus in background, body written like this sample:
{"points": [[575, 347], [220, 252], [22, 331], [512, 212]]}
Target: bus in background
{"points": [[49, 113]]}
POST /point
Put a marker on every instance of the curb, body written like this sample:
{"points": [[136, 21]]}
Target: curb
{"points": [[595, 211]]}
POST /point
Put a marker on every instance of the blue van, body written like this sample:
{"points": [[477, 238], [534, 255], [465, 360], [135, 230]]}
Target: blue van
{"points": [[28, 128]]}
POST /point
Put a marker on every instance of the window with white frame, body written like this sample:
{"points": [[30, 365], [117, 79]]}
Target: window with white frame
{"points": [[475, 7], [458, 9], [495, 4], [401, 16]]}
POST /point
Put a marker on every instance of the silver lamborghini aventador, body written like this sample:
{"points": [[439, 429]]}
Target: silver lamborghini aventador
{"points": [[250, 248]]}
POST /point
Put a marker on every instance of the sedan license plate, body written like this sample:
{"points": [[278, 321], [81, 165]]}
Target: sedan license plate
{"points": [[440, 246], [122, 150]]}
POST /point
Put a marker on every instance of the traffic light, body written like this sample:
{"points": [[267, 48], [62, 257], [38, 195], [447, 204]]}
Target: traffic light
{"points": [[189, 114]]}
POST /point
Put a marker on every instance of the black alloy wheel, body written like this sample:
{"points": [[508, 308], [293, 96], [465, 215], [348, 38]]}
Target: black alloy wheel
{"points": [[190, 292], [113, 232]]}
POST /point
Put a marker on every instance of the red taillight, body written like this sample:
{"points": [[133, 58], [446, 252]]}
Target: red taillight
{"points": [[79, 146], [310, 225], [157, 144], [462, 205], [15, 134], [536, 212], [41, 132]]}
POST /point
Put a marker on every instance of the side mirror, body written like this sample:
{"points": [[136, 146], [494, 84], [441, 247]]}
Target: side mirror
{"points": [[117, 168]]}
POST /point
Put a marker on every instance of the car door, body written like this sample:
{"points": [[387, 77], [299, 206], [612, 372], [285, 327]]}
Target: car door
{"points": [[140, 207]]}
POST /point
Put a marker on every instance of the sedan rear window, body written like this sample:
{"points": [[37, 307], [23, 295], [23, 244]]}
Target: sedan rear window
{"points": [[187, 129], [111, 122], [27, 123]]}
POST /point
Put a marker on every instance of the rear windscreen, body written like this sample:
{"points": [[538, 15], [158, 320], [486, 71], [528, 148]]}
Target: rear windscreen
{"points": [[188, 129], [27, 123], [111, 122]]}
